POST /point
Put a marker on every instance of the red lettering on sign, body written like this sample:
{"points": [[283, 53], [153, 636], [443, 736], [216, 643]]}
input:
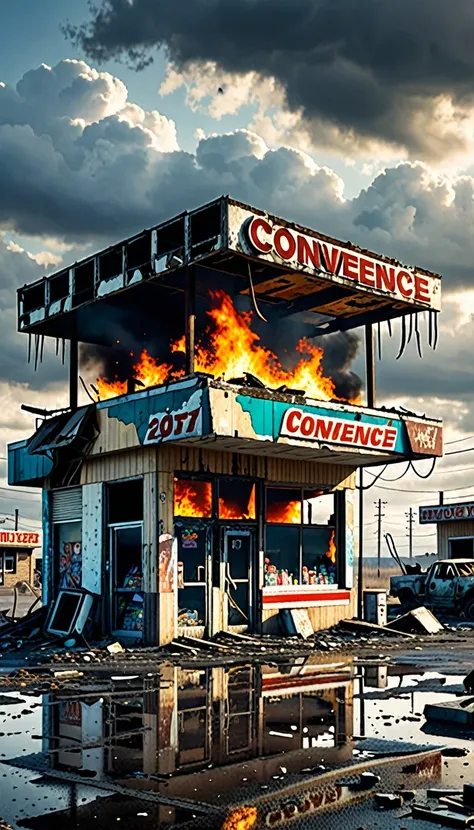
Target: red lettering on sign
{"points": [[347, 433], [306, 425], [366, 268], [349, 265], [384, 277], [362, 435], [285, 243], [422, 289], [323, 429], [292, 417], [377, 435], [171, 425], [179, 419], [390, 438], [404, 277], [193, 416], [166, 426], [308, 252], [256, 225], [331, 258], [153, 429]]}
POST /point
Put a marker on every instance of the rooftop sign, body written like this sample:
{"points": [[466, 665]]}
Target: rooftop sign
{"points": [[315, 253], [446, 513]]}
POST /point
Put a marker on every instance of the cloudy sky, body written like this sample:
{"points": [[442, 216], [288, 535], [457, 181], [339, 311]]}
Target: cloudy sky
{"points": [[354, 117]]}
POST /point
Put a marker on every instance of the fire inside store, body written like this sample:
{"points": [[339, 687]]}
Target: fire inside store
{"points": [[208, 484]]}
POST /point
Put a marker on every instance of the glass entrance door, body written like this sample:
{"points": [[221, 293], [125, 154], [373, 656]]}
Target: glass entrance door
{"points": [[126, 576], [237, 555]]}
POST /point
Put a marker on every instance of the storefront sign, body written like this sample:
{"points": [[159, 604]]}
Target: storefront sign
{"points": [[171, 426], [19, 539], [446, 513], [318, 254], [425, 439], [307, 426]]}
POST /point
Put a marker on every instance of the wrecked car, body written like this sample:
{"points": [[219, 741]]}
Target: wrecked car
{"points": [[447, 586]]}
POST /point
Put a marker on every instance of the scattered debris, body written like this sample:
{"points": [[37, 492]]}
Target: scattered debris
{"points": [[359, 626], [446, 818], [459, 712], [417, 621], [115, 648], [388, 801]]}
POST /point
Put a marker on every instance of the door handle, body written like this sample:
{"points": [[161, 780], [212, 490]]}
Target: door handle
{"points": [[199, 569], [229, 578]]}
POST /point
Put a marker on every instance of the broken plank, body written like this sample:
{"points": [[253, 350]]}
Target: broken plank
{"points": [[198, 641], [362, 627], [446, 818]]}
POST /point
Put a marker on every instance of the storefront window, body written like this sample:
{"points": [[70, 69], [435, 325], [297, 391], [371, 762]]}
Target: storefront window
{"points": [[282, 555], [319, 556], [283, 506], [191, 576], [9, 563], [68, 553], [300, 547], [236, 499], [192, 498], [318, 507], [125, 501]]}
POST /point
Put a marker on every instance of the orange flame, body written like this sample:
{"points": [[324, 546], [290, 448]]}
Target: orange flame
{"points": [[233, 511], [331, 551], [284, 513], [242, 818], [233, 349], [193, 498]]}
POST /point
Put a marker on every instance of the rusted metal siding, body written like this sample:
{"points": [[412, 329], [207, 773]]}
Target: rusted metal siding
{"points": [[119, 465], [278, 470], [451, 530], [142, 460]]}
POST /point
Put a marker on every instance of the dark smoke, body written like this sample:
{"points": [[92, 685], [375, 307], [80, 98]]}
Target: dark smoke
{"points": [[370, 68], [279, 335]]}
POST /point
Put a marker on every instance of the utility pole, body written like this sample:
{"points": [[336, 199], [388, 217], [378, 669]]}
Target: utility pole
{"points": [[379, 516], [410, 519], [17, 517]]}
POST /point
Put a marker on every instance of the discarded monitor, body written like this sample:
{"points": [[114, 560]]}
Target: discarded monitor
{"points": [[70, 613]]}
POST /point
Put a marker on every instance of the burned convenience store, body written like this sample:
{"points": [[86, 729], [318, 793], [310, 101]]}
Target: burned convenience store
{"points": [[206, 482]]}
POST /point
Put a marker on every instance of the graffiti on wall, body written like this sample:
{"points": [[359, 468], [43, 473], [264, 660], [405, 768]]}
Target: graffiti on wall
{"points": [[70, 565], [166, 564]]}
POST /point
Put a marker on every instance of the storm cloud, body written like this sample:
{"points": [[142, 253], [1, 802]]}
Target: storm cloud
{"points": [[398, 72]]}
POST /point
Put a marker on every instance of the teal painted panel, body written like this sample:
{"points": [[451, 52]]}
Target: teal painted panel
{"points": [[140, 409], [24, 468], [267, 418]]}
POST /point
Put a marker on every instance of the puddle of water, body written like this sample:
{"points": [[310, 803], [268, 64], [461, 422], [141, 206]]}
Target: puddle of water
{"points": [[189, 746]]}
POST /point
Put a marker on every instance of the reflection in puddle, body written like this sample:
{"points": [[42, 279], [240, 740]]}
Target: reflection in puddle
{"points": [[208, 747]]}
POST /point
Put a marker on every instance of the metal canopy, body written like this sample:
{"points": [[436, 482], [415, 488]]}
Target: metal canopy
{"points": [[242, 250]]}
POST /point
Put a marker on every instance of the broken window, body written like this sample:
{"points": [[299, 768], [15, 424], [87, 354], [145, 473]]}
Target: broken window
{"points": [[461, 548], [192, 498], [125, 501], [236, 499], [283, 506], [306, 553]]}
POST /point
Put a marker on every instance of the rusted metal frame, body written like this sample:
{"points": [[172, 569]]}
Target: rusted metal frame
{"points": [[370, 366], [73, 371]]}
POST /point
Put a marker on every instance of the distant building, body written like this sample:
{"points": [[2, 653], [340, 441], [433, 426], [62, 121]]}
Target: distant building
{"points": [[17, 556], [455, 528]]}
